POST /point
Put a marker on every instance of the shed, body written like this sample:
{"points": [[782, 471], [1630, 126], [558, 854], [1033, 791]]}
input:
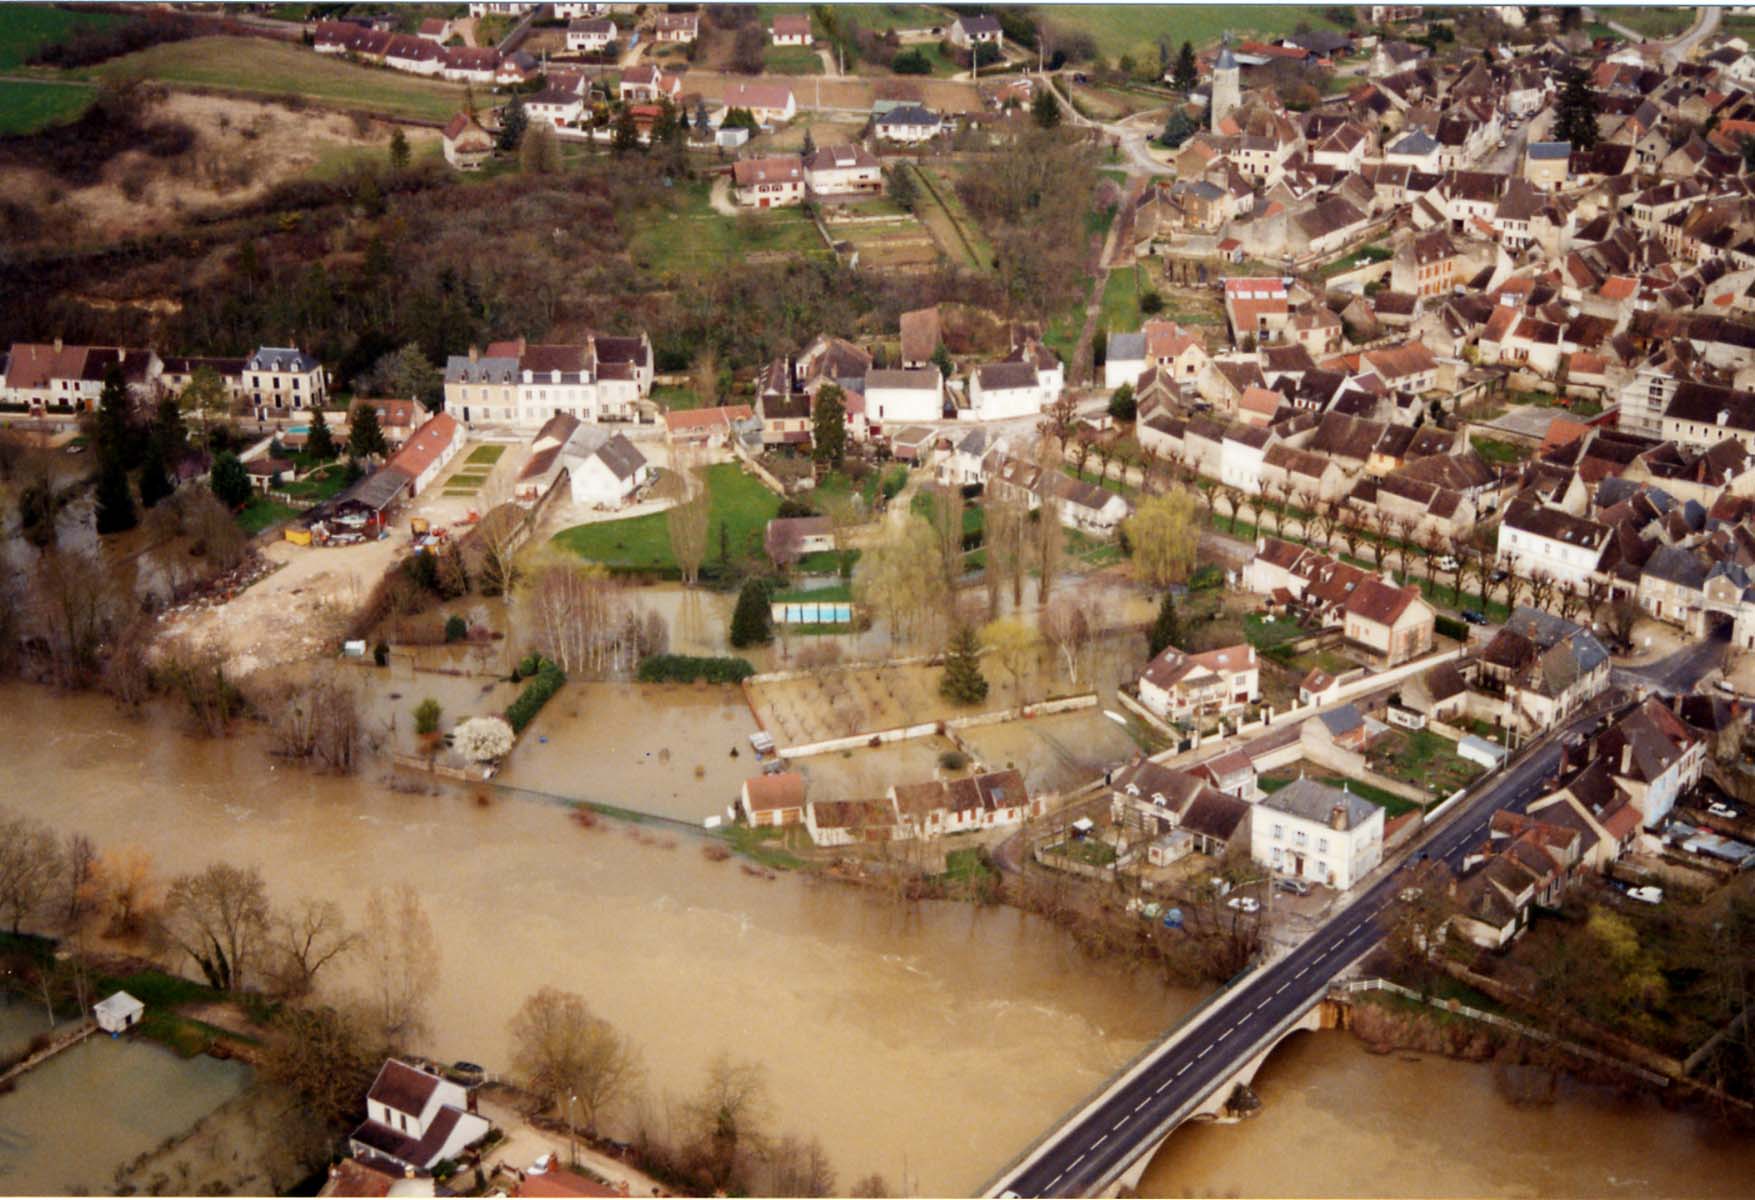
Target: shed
{"points": [[1480, 750], [118, 1012]]}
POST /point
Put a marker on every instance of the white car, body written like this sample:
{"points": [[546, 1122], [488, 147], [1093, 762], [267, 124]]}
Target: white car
{"points": [[1246, 904], [1648, 894], [1722, 810]]}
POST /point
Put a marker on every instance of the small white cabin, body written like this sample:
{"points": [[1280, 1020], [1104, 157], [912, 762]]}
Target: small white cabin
{"points": [[117, 1013]]}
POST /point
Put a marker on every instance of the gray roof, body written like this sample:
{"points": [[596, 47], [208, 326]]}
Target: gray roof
{"points": [[1001, 376], [1678, 566], [1543, 629], [376, 490], [1226, 61], [1316, 801], [280, 358], [1415, 143], [460, 368], [918, 378], [1550, 150], [1125, 347], [621, 456], [1344, 719], [909, 114]]}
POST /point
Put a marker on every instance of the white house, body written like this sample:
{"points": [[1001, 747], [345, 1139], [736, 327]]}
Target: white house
{"points": [[1240, 457], [282, 377], [769, 182], [842, 171], [999, 391], [790, 29], [975, 31], [940, 807], [904, 396], [773, 799], [591, 34], [467, 145], [559, 108], [608, 475], [523, 384], [907, 123], [1653, 757], [1536, 537], [428, 451], [1178, 352], [1313, 832], [768, 103], [117, 1013], [415, 1119], [1176, 685]]}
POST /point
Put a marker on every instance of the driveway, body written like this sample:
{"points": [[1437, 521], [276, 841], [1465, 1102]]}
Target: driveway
{"points": [[719, 196]]}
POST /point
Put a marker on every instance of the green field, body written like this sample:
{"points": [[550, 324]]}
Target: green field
{"points": [[878, 17], [260, 512], [1650, 22], [28, 107], [1121, 299], [791, 60], [29, 26], [262, 67], [1125, 29], [695, 239], [739, 502], [485, 456]]}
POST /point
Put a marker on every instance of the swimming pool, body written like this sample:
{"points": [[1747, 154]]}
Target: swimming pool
{"points": [[815, 614]]}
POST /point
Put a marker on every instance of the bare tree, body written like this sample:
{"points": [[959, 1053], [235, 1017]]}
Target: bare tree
{"points": [[80, 859], [220, 918], [402, 961], [947, 523], [75, 603], [1515, 583], [728, 1116], [1067, 627], [1274, 492], [1230, 498], [304, 940], [318, 720], [581, 618], [1050, 543], [796, 1167], [1622, 615], [901, 578], [30, 867], [326, 1058], [1377, 527], [687, 519], [785, 545], [1350, 520], [123, 886], [1542, 586], [1004, 536], [562, 1051], [197, 673]]}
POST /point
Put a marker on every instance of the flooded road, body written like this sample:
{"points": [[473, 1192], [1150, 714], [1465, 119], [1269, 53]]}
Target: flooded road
{"points": [[1339, 1121], [72, 1121], [938, 1039]]}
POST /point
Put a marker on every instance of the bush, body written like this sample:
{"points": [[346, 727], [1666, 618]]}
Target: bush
{"points": [[894, 482], [1207, 578], [953, 760], [911, 62], [381, 654], [426, 716], [545, 681], [1451, 628], [684, 668], [456, 628]]}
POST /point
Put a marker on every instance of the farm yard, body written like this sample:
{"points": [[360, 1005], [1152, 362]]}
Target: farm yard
{"points": [[1056, 753]]}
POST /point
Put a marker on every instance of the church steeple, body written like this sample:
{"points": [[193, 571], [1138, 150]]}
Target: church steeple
{"points": [[1227, 85]]}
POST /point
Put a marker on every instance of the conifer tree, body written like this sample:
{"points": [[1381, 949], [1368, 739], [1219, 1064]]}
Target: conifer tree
{"points": [[962, 682], [1166, 628], [320, 443], [752, 623]]}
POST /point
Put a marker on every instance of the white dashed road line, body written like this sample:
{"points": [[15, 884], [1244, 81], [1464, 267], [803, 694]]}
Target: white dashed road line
{"points": [[1185, 1067], [1205, 1052]]}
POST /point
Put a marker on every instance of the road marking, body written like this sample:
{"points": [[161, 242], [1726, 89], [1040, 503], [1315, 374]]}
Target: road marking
{"points": [[1337, 944], [1141, 1105], [1075, 1162], [1185, 1067], [1055, 1180], [1300, 974], [1223, 1036], [1282, 988], [1120, 1123], [1354, 929], [1205, 1052], [1099, 1141], [1265, 1003]]}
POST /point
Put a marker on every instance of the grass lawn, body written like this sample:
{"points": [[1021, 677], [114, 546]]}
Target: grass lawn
{"points": [[943, 214], [1498, 452], [1128, 29], [1358, 258], [675, 399], [1062, 334], [969, 866], [1121, 299], [261, 512], [318, 486], [876, 17], [767, 845], [1424, 759], [1090, 551], [1265, 635], [28, 107], [791, 60], [28, 27], [272, 68], [841, 593], [693, 239], [1651, 22], [485, 455], [739, 502], [1089, 851], [1391, 804], [824, 562]]}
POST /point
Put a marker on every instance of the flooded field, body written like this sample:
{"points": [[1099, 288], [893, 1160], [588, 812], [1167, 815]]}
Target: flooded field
{"points": [[864, 774], [72, 1121], [887, 1030], [1056, 753], [655, 748]]}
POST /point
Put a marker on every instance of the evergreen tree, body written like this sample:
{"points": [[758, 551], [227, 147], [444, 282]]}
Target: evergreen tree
{"points": [[1575, 118], [320, 443], [513, 122], [627, 135], [902, 187], [1046, 109], [1165, 630], [752, 623], [115, 499], [366, 436], [962, 682], [1122, 405], [229, 481], [155, 477], [398, 150], [1178, 128], [810, 145], [941, 358], [703, 123], [115, 440], [1186, 76], [829, 427]]}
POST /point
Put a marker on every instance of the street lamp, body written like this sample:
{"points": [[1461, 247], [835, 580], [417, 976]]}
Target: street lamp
{"points": [[572, 1143]]}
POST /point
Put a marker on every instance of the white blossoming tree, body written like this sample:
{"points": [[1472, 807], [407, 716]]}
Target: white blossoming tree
{"points": [[482, 739]]}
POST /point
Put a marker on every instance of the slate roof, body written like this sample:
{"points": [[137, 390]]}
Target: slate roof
{"points": [[1317, 801]]}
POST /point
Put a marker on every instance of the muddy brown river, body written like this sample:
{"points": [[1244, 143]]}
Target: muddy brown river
{"points": [[931, 1043]]}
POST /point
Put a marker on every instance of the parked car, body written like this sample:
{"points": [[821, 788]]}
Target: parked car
{"points": [[1649, 894], [1245, 904], [1722, 810], [1446, 563], [1499, 575], [1295, 887], [1411, 894], [1474, 616], [468, 1073]]}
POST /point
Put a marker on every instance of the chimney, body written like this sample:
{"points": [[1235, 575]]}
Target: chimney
{"points": [[57, 345], [1626, 757], [407, 1171], [1337, 817], [474, 353], [521, 345]]}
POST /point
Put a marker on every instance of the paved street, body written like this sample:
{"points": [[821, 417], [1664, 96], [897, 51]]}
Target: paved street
{"points": [[1096, 1148], [1677, 673]]}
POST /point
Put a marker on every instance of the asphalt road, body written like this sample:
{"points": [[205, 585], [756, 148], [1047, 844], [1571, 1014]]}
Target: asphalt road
{"points": [[1678, 672], [1098, 1147]]}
